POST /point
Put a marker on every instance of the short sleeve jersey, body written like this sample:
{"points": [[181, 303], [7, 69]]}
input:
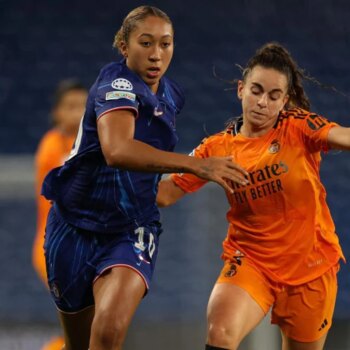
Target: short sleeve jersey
{"points": [[93, 196], [281, 219]]}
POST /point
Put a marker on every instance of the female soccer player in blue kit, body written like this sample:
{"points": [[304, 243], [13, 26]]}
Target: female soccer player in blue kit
{"points": [[103, 230]]}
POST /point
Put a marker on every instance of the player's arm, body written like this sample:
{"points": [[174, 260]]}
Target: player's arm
{"points": [[120, 149], [339, 138], [168, 192]]}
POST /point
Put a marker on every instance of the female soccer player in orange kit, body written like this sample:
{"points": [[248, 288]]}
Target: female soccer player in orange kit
{"points": [[281, 251], [54, 148]]}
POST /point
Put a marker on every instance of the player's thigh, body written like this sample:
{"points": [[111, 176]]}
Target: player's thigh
{"points": [[118, 291], [117, 294], [76, 328], [232, 313], [124, 276], [240, 299]]}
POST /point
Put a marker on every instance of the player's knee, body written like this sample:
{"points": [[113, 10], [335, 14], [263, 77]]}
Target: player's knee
{"points": [[222, 336], [109, 331]]}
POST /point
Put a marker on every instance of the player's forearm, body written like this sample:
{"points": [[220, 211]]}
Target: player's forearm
{"points": [[168, 193], [339, 138], [138, 156]]}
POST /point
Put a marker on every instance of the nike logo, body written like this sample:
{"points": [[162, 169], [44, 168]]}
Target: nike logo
{"points": [[157, 113]]}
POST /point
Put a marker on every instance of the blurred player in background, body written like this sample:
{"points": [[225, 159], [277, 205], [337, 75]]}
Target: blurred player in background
{"points": [[54, 148], [281, 251]]}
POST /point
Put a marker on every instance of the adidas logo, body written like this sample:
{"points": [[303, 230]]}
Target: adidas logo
{"points": [[323, 325]]}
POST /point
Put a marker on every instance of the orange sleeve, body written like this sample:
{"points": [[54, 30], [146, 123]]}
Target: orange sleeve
{"points": [[211, 146], [314, 130], [188, 182]]}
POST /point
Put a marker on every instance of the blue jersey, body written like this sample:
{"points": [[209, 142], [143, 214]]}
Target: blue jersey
{"points": [[87, 192]]}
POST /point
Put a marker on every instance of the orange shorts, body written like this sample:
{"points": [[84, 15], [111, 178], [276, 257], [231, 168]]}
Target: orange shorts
{"points": [[304, 312]]}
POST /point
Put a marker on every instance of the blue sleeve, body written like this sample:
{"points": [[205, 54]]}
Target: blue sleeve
{"points": [[116, 89]]}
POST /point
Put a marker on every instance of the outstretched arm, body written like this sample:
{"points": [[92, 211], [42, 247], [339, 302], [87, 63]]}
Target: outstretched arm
{"points": [[339, 138], [120, 149]]}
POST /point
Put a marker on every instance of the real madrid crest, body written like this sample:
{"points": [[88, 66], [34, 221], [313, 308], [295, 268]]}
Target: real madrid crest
{"points": [[232, 271], [274, 147]]}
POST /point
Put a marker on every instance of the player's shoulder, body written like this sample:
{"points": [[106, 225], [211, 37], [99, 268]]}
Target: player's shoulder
{"points": [[118, 76], [218, 138], [115, 69], [300, 118], [294, 115], [216, 144]]}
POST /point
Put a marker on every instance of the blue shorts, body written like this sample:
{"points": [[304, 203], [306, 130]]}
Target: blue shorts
{"points": [[75, 258]]}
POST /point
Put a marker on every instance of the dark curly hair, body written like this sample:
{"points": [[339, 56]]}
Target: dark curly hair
{"points": [[274, 55]]}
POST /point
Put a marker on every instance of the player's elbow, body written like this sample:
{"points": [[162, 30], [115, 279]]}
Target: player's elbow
{"points": [[163, 196], [163, 201], [168, 193], [116, 158]]}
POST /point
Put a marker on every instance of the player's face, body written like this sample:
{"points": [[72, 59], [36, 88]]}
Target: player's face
{"points": [[263, 95], [70, 109], [149, 50]]}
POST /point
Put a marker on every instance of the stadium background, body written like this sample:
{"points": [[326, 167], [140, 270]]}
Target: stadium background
{"points": [[42, 42]]}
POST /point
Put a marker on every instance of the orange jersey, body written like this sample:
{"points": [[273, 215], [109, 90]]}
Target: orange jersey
{"points": [[53, 150], [280, 219]]}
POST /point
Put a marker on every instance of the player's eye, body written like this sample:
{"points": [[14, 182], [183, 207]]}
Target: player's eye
{"points": [[275, 97], [255, 91]]}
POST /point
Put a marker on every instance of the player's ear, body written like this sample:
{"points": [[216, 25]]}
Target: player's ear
{"points": [[285, 100], [240, 86], [123, 47]]}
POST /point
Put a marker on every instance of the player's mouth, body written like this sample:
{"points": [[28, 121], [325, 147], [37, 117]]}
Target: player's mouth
{"points": [[258, 114], [153, 72]]}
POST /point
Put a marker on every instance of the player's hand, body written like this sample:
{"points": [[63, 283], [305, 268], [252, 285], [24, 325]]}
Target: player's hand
{"points": [[222, 170]]}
